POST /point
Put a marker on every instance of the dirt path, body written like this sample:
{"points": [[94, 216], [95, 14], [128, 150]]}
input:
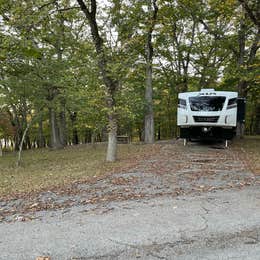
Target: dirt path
{"points": [[193, 202], [175, 170]]}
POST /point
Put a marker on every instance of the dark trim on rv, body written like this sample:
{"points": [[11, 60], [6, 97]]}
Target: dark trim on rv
{"points": [[207, 133]]}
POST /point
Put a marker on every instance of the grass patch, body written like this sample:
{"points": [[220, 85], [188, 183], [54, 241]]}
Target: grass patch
{"points": [[250, 146], [42, 169]]}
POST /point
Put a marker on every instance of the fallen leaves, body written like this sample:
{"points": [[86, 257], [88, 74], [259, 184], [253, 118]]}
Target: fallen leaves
{"points": [[168, 170], [43, 258]]}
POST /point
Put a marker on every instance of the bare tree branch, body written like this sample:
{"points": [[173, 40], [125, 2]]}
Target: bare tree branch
{"points": [[84, 8], [254, 18], [93, 8], [68, 9], [47, 4]]}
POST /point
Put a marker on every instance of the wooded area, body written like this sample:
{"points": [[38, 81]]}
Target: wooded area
{"points": [[84, 71]]}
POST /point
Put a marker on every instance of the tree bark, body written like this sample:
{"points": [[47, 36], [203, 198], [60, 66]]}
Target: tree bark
{"points": [[257, 119], [18, 162], [17, 138], [28, 143], [63, 126], [112, 141], [93, 138], [242, 85], [17, 126], [55, 139], [186, 60], [75, 137], [149, 115], [88, 135], [112, 132], [40, 141], [62, 114], [254, 16]]}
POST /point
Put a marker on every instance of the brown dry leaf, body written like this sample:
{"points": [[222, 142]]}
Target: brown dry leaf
{"points": [[34, 205], [43, 258]]}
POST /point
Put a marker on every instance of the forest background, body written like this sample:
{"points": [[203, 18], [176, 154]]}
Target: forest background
{"points": [[83, 71]]}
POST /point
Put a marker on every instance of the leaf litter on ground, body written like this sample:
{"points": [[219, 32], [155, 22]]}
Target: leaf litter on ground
{"points": [[161, 169]]}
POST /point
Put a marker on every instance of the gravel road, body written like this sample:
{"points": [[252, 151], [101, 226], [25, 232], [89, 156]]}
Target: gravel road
{"points": [[195, 202]]}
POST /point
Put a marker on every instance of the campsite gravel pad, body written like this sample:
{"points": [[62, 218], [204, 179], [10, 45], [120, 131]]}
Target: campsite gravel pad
{"points": [[174, 170]]}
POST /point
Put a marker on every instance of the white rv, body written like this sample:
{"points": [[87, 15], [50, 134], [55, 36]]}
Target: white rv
{"points": [[207, 114]]}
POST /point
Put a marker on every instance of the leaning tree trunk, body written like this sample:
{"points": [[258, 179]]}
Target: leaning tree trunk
{"points": [[149, 115], [19, 157], [18, 162]]}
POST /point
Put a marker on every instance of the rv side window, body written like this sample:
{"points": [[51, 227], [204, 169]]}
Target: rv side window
{"points": [[232, 103], [182, 103]]}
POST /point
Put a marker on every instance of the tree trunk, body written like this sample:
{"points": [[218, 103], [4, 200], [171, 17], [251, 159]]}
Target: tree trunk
{"points": [[87, 135], [75, 137], [149, 116], [112, 139], [63, 128], [241, 56], [18, 162], [242, 91], [55, 140], [257, 120], [5, 143], [242, 85], [185, 79], [93, 137], [159, 132], [28, 143], [40, 141], [18, 131], [17, 138]]}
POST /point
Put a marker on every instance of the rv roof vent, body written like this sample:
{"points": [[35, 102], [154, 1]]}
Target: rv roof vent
{"points": [[207, 90]]}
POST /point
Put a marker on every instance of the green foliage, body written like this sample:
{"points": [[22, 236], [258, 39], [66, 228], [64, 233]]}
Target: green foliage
{"points": [[47, 60]]}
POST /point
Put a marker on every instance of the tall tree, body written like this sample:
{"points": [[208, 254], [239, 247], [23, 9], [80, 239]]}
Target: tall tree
{"points": [[110, 82], [252, 13], [149, 115]]}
